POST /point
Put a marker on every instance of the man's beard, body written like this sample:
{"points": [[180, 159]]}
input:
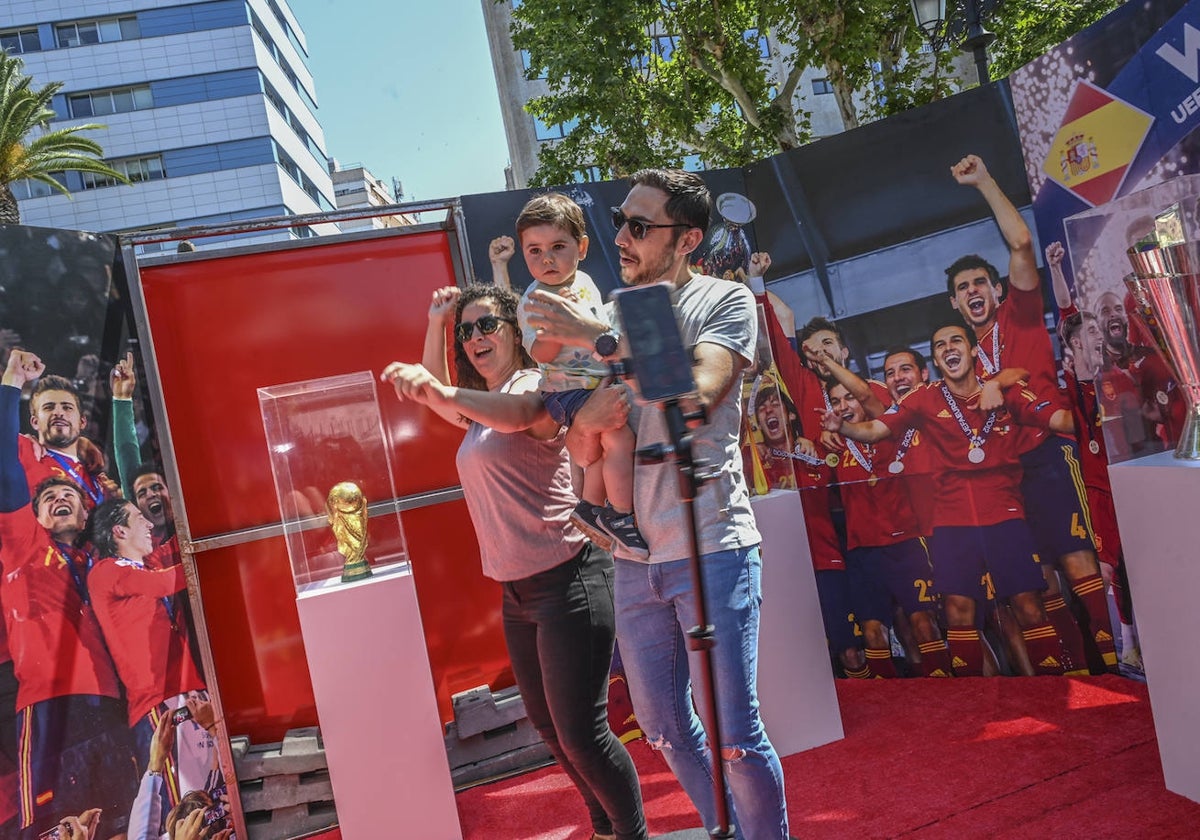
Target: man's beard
{"points": [[644, 274], [1117, 340], [59, 437]]}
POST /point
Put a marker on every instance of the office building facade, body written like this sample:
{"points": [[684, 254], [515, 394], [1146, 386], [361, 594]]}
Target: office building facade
{"points": [[209, 109]]}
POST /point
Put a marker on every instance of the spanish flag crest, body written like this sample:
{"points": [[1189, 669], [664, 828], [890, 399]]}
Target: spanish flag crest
{"points": [[1098, 139]]}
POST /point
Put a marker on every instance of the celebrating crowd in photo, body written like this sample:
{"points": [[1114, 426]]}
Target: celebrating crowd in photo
{"points": [[107, 726]]}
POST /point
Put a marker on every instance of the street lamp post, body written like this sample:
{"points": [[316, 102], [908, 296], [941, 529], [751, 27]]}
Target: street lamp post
{"points": [[941, 26]]}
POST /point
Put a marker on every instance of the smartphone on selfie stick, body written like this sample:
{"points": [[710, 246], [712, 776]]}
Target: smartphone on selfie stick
{"points": [[662, 367]]}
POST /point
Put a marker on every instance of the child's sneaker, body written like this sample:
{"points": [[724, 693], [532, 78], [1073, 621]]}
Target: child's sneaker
{"points": [[586, 517], [624, 531]]}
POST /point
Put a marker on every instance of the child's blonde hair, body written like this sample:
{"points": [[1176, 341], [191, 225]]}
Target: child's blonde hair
{"points": [[552, 209]]}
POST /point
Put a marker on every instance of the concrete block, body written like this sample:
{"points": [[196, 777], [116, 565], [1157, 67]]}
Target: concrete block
{"points": [[301, 751], [511, 763], [479, 710], [478, 748], [275, 792], [295, 821]]}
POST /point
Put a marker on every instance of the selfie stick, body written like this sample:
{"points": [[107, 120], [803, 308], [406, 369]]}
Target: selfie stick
{"points": [[663, 370], [700, 638]]}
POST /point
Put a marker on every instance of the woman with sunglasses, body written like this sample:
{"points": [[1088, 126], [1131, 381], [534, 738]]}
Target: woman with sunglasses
{"points": [[558, 613]]}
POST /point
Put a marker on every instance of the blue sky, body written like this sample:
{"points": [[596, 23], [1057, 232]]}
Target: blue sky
{"points": [[406, 88]]}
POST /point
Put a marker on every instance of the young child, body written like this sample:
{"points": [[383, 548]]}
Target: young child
{"points": [[550, 230]]}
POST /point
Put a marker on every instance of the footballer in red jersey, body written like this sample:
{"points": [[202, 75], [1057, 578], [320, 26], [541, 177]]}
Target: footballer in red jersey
{"points": [[886, 557], [1162, 401], [813, 480], [905, 368], [774, 438], [1011, 333], [1081, 332], [135, 605], [60, 448], [980, 541], [825, 355]]}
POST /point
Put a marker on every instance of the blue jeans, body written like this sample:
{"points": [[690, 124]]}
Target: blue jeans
{"points": [[655, 606]]}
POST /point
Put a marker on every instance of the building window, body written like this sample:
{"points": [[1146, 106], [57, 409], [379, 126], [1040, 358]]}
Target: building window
{"points": [[821, 86], [118, 101], [287, 28], [33, 189], [16, 41], [526, 62], [543, 131], [104, 31], [298, 175], [764, 46], [591, 175], [135, 169], [288, 72], [290, 118], [664, 46]]}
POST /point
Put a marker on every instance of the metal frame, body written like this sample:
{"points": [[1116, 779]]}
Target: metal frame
{"points": [[453, 224]]}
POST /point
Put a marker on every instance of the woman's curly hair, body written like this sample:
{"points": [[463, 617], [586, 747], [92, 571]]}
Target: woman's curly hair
{"points": [[506, 303]]}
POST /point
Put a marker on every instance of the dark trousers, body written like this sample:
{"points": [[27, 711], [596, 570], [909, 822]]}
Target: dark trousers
{"points": [[559, 626]]}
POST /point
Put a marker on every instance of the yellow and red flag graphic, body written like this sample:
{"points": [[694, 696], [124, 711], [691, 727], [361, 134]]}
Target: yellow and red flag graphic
{"points": [[1099, 137]]}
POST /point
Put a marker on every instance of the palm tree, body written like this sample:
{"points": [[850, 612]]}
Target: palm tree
{"points": [[23, 109]]}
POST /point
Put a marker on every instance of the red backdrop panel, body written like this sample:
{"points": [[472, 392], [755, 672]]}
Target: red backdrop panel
{"points": [[226, 326]]}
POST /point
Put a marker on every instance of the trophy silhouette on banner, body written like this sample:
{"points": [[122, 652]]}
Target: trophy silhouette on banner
{"points": [[726, 247], [1166, 281]]}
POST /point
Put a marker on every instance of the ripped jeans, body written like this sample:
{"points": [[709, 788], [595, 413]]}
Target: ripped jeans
{"points": [[655, 606]]}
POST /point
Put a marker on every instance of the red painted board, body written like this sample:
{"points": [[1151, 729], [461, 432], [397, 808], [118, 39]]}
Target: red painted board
{"points": [[225, 326]]}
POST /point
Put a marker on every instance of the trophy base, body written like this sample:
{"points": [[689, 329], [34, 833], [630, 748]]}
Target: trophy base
{"points": [[1188, 448], [360, 570]]}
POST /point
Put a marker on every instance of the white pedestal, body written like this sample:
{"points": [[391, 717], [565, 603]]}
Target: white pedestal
{"points": [[795, 680], [1158, 506], [375, 700]]}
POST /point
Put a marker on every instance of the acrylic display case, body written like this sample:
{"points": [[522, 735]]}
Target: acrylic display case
{"points": [[322, 433]]}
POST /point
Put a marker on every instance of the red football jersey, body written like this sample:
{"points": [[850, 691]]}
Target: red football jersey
{"points": [[53, 635], [971, 492], [878, 510], [1023, 342], [59, 465], [146, 635], [805, 390], [1089, 432]]}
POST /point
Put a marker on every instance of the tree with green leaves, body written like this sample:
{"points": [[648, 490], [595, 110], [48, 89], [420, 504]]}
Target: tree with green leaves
{"points": [[649, 82], [29, 149]]}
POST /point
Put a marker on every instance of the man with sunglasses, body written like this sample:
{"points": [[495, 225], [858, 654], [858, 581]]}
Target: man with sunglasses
{"points": [[660, 223]]}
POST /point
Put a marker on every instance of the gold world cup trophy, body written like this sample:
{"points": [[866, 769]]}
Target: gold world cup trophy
{"points": [[347, 511]]}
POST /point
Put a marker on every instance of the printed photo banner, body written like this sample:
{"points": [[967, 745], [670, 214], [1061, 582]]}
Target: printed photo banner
{"points": [[1103, 116], [104, 712]]}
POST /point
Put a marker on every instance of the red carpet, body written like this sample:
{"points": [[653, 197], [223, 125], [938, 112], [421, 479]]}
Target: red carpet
{"points": [[969, 758]]}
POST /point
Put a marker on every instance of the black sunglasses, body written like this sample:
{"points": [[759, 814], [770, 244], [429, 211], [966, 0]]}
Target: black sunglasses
{"points": [[487, 324], [638, 228]]}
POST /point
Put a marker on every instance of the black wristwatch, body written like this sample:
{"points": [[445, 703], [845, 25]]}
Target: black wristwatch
{"points": [[606, 345]]}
